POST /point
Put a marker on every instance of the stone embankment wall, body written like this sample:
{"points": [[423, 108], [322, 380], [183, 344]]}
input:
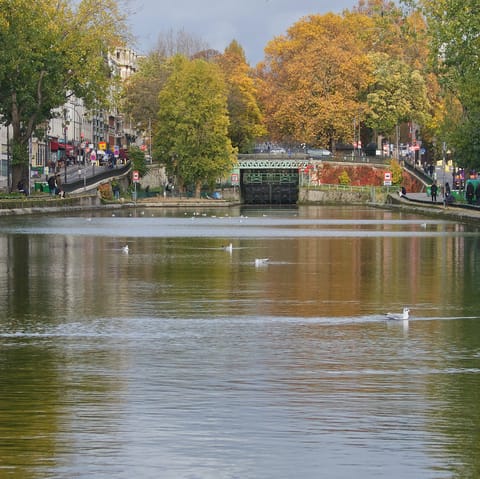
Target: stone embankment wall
{"points": [[155, 178], [47, 204], [341, 196]]}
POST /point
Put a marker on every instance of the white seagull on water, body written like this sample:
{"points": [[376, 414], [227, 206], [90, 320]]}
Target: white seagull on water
{"points": [[125, 249], [261, 261], [403, 315], [228, 247]]}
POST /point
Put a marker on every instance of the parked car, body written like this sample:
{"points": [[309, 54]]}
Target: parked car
{"points": [[277, 151], [318, 153]]}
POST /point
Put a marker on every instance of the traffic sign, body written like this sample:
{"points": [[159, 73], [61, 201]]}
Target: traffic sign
{"points": [[136, 176], [387, 179]]}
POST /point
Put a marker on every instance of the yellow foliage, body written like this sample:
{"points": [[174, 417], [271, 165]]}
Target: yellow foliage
{"points": [[314, 76], [344, 179]]}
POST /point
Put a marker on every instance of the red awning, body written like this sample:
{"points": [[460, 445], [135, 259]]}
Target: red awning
{"points": [[53, 145]]}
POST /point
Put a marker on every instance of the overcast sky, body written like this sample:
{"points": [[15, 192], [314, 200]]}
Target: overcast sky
{"points": [[253, 23]]}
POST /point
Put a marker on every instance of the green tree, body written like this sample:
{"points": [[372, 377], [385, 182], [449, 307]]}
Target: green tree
{"points": [[246, 119], [455, 48], [398, 94], [141, 90], [51, 50], [191, 137], [137, 157]]}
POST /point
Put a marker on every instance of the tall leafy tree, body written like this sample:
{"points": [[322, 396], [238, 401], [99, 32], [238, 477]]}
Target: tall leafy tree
{"points": [[313, 78], [51, 50], [454, 27], [191, 137], [398, 94], [141, 90], [246, 119]]}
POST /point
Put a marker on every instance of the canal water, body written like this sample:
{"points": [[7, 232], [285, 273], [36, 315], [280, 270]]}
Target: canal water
{"points": [[185, 359]]}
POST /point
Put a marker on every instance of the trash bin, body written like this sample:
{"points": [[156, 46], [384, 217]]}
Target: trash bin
{"points": [[45, 187], [38, 186]]}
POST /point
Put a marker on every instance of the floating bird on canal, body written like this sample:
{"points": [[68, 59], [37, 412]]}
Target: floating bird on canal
{"points": [[261, 261], [399, 316]]}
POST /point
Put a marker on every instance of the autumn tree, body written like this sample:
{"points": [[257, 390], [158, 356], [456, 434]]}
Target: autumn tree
{"points": [[191, 137], [246, 120], [51, 50], [313, 78]]}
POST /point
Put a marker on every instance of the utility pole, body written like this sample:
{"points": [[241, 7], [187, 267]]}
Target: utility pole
{"points": [[65, 141]]}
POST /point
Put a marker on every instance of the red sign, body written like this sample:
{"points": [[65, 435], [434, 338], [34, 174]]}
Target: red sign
{"points": [[234, 179], [136, 176]]}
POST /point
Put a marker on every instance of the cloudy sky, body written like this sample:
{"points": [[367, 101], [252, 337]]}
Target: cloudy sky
{"points": [[253, 23]]}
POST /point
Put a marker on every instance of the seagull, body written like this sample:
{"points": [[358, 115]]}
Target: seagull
{"points": [[228, 248], [403, 315], [125, 249], [261, 261]]}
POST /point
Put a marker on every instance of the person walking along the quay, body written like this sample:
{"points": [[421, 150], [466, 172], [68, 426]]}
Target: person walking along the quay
{"points": [[434, 191]]}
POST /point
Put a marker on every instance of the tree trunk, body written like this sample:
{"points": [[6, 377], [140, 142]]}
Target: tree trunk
{"points": [[19, 162], [198, 189], [19, 150]]}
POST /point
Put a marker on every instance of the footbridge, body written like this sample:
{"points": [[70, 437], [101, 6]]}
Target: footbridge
{"points": [[270, 179], [275, 178]]}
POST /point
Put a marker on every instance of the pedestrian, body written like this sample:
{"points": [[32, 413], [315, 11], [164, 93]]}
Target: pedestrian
{"points": [[116, 190], [469, 192], [52, 185], [434, 191], [477, 193], [21, 187]]}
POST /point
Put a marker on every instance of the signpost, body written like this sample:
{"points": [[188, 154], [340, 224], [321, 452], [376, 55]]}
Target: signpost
{"points": [[136, 179], [387, 180]]}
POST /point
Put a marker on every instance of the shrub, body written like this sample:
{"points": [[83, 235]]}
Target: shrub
{"points": [[344, 179], [105, 191]]}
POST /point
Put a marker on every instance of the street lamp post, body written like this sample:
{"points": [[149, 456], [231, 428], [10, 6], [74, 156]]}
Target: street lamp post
{"points": [[65, 141], [80, 122], [150, 139], [444, 151]]}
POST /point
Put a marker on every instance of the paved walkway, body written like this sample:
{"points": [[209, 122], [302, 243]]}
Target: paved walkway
{"points": [[423, 202], [424, 198]]}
